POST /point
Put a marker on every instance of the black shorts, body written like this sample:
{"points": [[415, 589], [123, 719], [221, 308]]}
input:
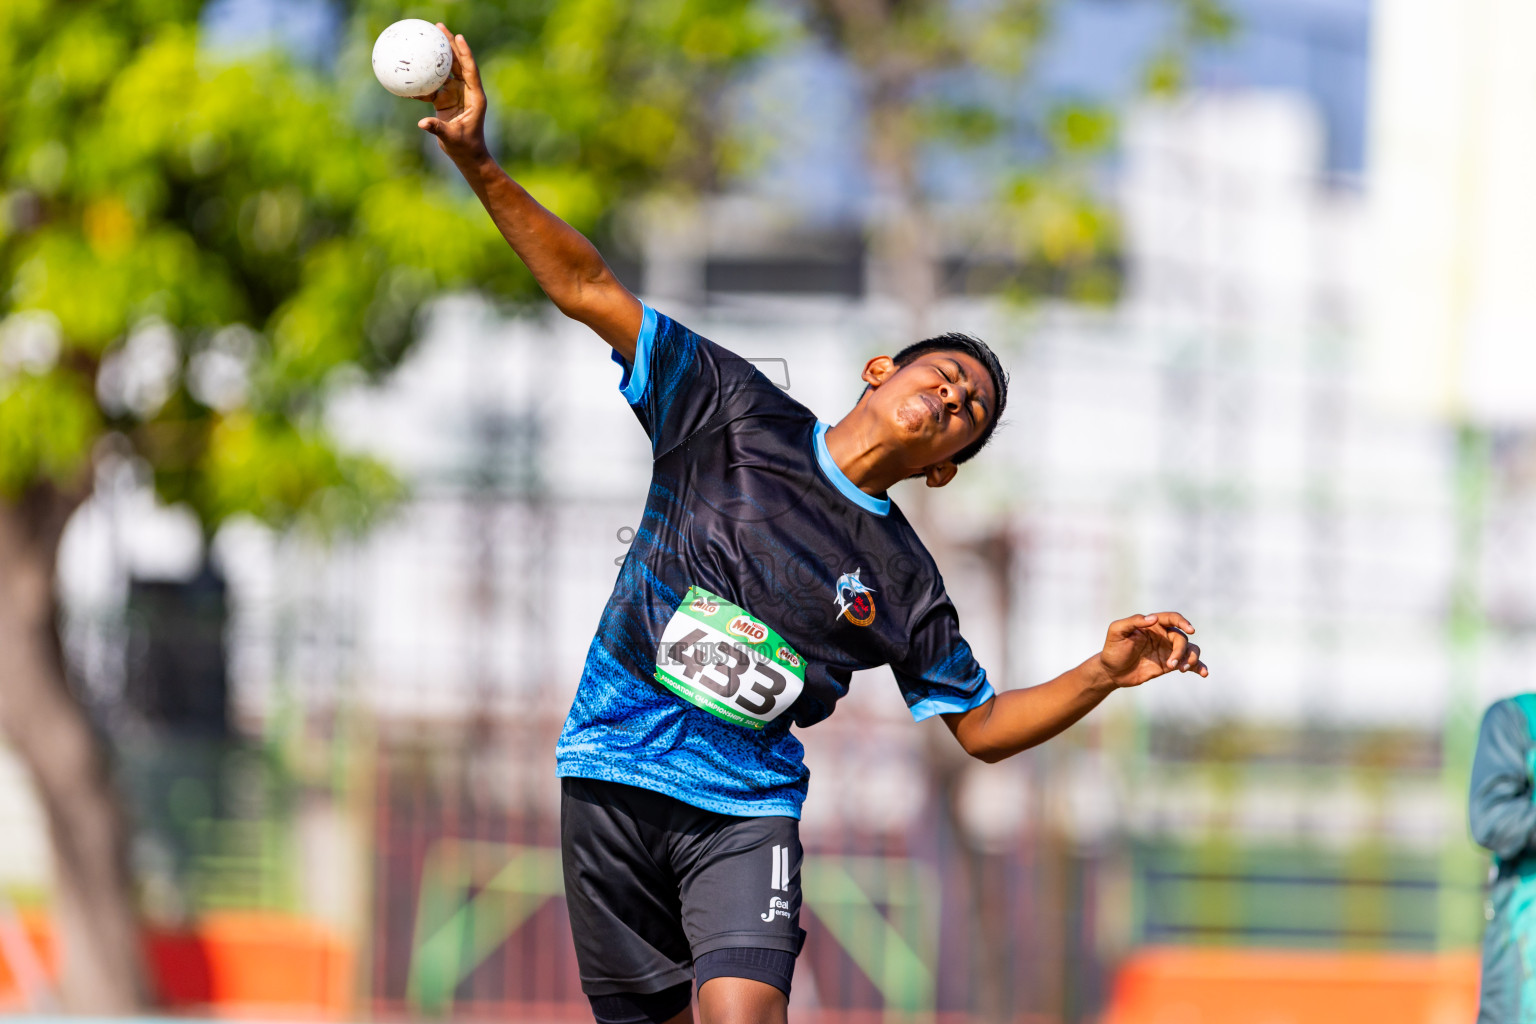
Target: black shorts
{"points": [[653, 884]]}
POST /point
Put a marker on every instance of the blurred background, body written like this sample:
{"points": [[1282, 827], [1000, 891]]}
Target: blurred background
{"points": [[309, 503]]}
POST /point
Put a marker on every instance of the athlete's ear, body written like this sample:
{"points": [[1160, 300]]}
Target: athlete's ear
{"points": [[879, 370], [940, 473]]}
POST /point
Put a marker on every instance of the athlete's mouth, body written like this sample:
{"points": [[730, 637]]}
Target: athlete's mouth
{"points": [[935, 407]]}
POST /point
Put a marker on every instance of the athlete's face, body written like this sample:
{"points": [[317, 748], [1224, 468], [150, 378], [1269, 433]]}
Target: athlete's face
{"points": [[933, 407]]}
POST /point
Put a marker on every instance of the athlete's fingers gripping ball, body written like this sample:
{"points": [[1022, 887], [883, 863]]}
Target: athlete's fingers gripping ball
{"points": [[458, 107], [412, 58]]}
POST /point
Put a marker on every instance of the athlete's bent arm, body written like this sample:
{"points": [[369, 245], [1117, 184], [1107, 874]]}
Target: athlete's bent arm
{"points": [[1137, 649], [566, 265]]}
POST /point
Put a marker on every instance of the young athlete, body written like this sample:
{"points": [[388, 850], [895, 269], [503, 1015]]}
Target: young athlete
{"points": [[768, 567]]}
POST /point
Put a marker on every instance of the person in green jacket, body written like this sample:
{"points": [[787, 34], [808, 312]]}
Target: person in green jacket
{"points": [[1503, 817]]}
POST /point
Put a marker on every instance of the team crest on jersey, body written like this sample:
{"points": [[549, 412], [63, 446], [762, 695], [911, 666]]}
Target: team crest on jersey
{"points": [[854, 600]]}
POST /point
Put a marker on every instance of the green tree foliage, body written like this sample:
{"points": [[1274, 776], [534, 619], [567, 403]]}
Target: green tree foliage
{"points": [[193, 248], [958, 75]]}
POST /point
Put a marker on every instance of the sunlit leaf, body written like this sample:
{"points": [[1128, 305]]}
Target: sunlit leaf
{"points": [[149, 185]]}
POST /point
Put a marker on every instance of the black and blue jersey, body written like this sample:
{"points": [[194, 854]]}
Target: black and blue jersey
{"points": [[759, 580]]}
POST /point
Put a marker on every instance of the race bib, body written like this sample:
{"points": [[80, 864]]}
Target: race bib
{"points": [[716, 656]]}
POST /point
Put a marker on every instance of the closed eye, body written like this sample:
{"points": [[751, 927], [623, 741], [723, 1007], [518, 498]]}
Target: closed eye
{"points": [[971, 413]]}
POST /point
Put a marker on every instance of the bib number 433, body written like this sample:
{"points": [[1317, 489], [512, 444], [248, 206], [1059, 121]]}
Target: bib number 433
{"points": [[718, 657]]}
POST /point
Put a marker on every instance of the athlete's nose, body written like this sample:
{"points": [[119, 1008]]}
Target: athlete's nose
{"points": [[952, 397]]}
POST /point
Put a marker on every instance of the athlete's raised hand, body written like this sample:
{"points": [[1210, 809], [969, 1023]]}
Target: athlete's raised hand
{"points": [[459, 123], [1144, 647], [571, 272]]}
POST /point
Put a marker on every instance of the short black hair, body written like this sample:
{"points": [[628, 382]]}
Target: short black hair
{"points": [[978, 350]]}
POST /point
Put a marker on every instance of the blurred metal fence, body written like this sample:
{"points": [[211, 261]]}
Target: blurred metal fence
{"points": [[1290, 898], [469, 915], [461, 909]]}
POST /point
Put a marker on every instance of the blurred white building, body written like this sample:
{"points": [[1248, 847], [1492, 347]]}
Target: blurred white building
{"points": [[1217, 443], [1208, 446]]}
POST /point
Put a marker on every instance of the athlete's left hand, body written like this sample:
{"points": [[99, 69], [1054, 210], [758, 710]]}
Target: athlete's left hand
{"points": [[1144, 647]]}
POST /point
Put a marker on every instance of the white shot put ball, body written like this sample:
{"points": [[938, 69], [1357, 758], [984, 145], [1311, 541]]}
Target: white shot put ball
{"points": [[412, 58]]}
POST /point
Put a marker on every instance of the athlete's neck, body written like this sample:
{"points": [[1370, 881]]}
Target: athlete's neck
{"points": [[871, 462]]}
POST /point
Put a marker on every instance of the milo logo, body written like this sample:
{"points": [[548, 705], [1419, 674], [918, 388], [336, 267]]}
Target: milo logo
{"points": [[704, 606], [747, 629], [788, 657]]}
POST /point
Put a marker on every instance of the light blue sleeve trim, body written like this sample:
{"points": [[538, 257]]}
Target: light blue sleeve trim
{"points": [[834, 473], [944, 705], [632, 384]]}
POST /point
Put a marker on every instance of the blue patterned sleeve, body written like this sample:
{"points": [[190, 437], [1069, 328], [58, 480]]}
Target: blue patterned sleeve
{"points": [[939, 674], [1503, 815], [678, 381]]}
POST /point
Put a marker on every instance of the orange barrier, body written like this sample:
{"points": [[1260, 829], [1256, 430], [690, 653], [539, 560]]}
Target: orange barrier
{"points": [[244, 965], [232, 965], [1232, 986]]}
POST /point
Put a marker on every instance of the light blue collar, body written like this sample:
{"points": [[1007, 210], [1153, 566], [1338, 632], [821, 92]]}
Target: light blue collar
{"points": [[879, 506]]}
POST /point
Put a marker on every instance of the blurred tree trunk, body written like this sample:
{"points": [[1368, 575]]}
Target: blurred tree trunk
{"points": [[901, 236], [900, 50], [104, 970], [903, 239], [907, 263], [907, 260], [989, 951]]}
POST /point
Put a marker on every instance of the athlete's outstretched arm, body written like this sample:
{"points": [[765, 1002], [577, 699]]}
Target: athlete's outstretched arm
{"points": [[563, 262], [1137, 649]]}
